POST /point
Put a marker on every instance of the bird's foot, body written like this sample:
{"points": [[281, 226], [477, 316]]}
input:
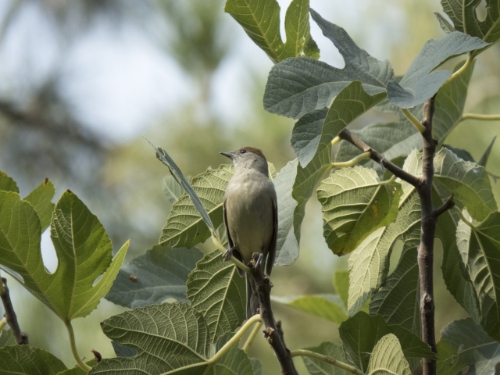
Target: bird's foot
{"points": [[228, 254]]}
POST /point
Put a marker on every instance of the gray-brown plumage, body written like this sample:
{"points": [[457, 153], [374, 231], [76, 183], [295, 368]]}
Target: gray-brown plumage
{"points": [[250, 214]]}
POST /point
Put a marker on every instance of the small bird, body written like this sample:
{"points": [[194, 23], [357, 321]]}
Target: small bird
{"points": [[250, 215]]}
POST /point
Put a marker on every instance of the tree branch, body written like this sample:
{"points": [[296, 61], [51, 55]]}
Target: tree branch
{"points": [[10, 315], [273, 332], [425, 256], [444, 207], [379, 158]]}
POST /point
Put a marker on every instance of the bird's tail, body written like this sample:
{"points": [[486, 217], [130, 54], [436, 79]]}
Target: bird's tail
{"points": [[252, 297]]}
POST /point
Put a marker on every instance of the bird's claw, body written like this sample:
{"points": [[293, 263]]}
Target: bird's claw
{"points": [[228, 254]]}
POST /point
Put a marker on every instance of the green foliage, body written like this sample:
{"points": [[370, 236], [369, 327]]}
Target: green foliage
{"points": [[261, 21], [367, 213]]}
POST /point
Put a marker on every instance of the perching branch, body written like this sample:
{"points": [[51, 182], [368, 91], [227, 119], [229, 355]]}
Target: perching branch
{"points": [[273, 332], [379, 158], [427, 230], [10, 315]]}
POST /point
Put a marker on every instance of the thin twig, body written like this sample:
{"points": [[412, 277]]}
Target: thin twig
{"points": [[379, 158], [10, 315], [72, 343], [273, 332], [479, 117]]}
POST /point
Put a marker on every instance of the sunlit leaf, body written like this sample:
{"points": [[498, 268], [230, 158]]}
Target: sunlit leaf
{"points": [[387, 357], [82, 247], [153, 277], [341, 284], [354, 204], [7, 183], [217, 291], [41, 200]]}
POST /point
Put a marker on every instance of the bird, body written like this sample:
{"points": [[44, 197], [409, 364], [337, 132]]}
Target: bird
{"points": [[250, 216]]}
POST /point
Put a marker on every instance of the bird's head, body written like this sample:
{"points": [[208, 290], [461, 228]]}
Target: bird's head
{"points": [[248, 158]]}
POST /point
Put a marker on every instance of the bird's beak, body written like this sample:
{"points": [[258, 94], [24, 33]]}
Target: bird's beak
{"points": [[227, 154]]}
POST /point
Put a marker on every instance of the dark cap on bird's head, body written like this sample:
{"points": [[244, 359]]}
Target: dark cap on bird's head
{"points": [[242, 151]]}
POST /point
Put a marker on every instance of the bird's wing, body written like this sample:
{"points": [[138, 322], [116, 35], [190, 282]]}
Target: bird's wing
{"points": [[229, 239], [272, 247]]}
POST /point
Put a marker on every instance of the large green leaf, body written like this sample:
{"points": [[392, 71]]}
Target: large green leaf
{"points": [[308, 139], [465, 19], [480, 250], [311, 84], [355, 203], [218, 293], [467, 181], [361, 333], [153, 277], [422, 81], [341, 284], [387, 357], [41, 200], [398, 299], [168, 338], [27, 360], [464, 343], [326, 306], [318, 367], [82, 247], [185, 226], [261, 21]]}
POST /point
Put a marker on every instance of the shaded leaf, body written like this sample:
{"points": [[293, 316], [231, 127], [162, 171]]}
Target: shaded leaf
{"points": [[387, 357], [467, 181], [317, 367], [153, 277], [41, 200], [326, 306], [361, 333], [77, 370], [27, 360], [464, 343], [397, 301], [6, 337], [7, 183], [421, 81], [82, 247], [480, 250], [298, 86], [169, 338], [355, 203], [218, 293], [261, 21]]}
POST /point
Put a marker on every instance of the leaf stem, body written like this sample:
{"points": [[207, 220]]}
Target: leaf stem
{"points": [[479, 117], [463, 218], [72, 343], [3, 323], [464, 67], [336, 140], [250, 338], [353, 161], [413, 120], [327, 359], [234, 340]]}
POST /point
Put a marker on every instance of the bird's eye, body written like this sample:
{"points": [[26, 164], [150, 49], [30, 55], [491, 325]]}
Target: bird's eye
{"points": [[243, 151]]}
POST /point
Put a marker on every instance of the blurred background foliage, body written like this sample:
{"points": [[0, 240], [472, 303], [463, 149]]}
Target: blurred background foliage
{"points": [[84, 82]]}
